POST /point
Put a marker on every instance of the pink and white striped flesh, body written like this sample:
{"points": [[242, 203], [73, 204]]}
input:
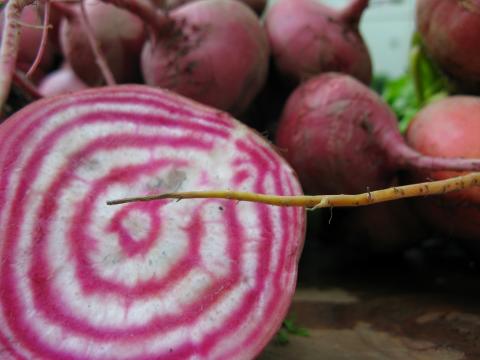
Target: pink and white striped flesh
{"points": [[198, 279]]}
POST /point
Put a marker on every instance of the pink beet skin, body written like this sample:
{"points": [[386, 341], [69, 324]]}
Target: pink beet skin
{"points": [[207, 278], [216, 54], [449, 127], [450, 30], [120, 35], [308, 38]]}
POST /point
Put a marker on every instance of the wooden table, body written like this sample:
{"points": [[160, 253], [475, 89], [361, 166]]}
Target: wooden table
{"points": [[414, 305]]}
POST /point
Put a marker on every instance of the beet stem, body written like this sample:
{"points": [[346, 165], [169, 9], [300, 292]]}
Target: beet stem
{"points": [[20, 80], [155, 18], [99, 57], [353, 11], [65, 10], [9, 45], [43, 42], [325, 201]]}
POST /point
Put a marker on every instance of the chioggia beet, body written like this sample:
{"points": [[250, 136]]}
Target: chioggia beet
{"points": [[201, 279]]}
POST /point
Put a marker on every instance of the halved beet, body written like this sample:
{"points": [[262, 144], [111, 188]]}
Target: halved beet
{"points": [[207, 278]]}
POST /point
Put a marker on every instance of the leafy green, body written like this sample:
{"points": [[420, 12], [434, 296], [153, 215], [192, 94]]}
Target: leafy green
{"points": [[420, 85], [399, 93], [289, 328]]}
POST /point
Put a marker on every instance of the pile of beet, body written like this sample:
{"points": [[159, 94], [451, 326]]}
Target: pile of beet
{"points": [[212, 51], [127, 99]]}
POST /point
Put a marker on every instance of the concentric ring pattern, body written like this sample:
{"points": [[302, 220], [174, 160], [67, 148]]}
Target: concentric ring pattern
{"points": [[194, 279]]}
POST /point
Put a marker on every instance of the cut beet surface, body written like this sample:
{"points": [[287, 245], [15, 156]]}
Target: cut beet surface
{"points": [[197, 279]]}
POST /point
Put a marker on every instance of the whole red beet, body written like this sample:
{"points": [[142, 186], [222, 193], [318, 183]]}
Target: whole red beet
{"points": [[217, 53], [449, 127], [308, 38], [341, 137], [450, 30]]}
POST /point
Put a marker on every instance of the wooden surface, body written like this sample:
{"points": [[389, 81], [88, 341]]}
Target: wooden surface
{"points": [[395, 326], [423, 304]]}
